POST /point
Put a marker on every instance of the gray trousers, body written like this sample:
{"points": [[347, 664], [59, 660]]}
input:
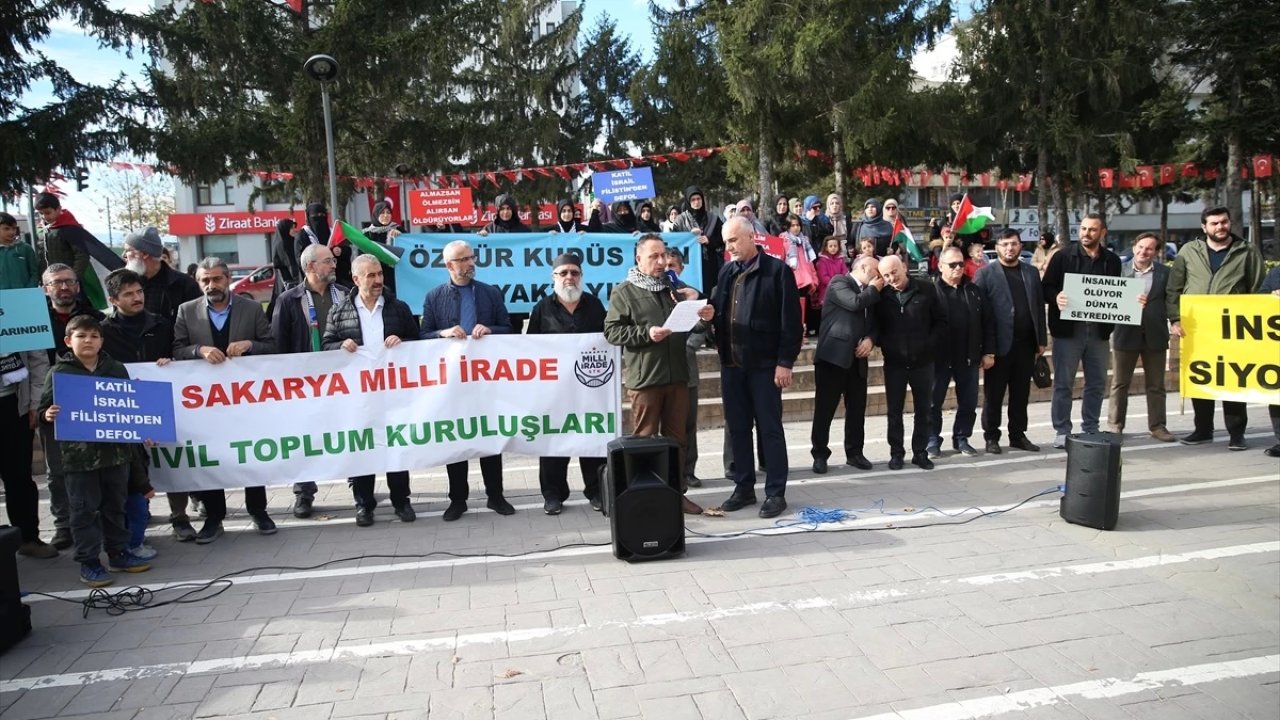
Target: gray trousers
{"points": [[97, 502], [58, 506], [1087, 349]]}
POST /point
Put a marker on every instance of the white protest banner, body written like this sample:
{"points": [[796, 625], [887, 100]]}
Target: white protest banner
{"points": [[1103, 298], [280, 419]]}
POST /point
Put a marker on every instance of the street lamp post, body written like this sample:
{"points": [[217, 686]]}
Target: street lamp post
{"points": [[324, 69]]}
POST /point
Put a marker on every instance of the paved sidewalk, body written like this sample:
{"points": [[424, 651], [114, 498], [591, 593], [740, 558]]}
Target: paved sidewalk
{"points": [[1175, 614]]}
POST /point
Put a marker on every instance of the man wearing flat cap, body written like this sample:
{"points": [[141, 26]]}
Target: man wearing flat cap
{"points": [[164, 288], [567, 310]]}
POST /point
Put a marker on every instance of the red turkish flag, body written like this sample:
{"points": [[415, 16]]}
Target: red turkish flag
{"points": [[1106, 178], [1211, 174], [925, 175], [1002, 184], [562, 171], [1024, 183], [1166, 174], [1190, 170], [985, 179], [1262, 165], [1146, 176], [1128, 181]]}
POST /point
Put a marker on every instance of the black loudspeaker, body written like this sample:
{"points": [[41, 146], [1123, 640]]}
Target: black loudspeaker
{"points": [[642, 498], [1092, 496], [15, 618]]}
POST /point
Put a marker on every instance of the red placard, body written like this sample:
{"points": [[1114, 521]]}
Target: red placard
{"points": [[230, 223], [771, 245], [446, 206]]}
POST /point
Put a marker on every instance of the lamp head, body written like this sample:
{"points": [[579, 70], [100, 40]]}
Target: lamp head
{"points": [[321, 67]]}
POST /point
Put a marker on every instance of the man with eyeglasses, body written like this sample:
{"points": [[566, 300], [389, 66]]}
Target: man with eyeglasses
{"points": [[568, 310], [968, 344], [1012, 289], [298, 322], [163, 287], [62, 289], [459, 309]]}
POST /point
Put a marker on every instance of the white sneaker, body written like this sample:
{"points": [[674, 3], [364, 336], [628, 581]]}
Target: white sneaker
{"points": [[1060, 441], [143, 552]]}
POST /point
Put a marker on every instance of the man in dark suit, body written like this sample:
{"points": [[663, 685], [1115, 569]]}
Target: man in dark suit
{"points": [[370, 318], [1012, 288], [1149, 341], [215, 328], [845, 339]]}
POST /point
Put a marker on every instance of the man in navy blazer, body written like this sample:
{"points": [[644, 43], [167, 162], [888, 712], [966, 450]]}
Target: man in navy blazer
{"points": [[1012, 287], [1148, 341]]}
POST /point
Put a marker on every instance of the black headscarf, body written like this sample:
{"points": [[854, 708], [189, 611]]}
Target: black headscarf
{"points": [[621, 223], [571, 226], [318, 221], [701, 213], [647, 226], [507, 226]]}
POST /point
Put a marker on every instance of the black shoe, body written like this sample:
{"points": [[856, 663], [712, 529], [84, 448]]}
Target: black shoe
{"points": [[61, 539], [1022, 443], [405, 513], [773, 506], [302, 507], [264, 523], [1273, 451], [1197, 438], [737, 501], [993, 447], [1237, 443], [183, 532], [454, 511], [692, 481], [596, 504], [895, 463], [820, 466], [965, 448], [860, 461], [552, 507], [922, 461], [210, 532], [500, 506], [364, 517]]}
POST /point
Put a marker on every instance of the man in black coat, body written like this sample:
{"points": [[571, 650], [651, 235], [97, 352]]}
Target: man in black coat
{"points": [[912, 324], [1148, 342], [298, 320], [845, 339], [1012, 289], [567, 310], [758, 333], [166, 289], [969, 343], [368, 317]]}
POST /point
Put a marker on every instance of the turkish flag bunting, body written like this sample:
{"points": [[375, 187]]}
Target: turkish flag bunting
{"points": [[1167, 174], [1190, 170], [985, 179], [512, 175], [1262, 165], [946, 177], [1211, 174], [562, 171], [1128, 181], [658, 158], [925, 175], [1146, 176], [620, 164], [491, 177], [543, 172], [1106, 178], [704, 152], [1002, 184], [1024, 183]]}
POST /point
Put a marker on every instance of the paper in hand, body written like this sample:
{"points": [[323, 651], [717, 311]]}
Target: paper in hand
{"points": [[684, 315]]}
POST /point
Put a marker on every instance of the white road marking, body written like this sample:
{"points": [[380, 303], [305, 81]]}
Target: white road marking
{"points": [[869, 520], [400, 648], [1024, 700]]}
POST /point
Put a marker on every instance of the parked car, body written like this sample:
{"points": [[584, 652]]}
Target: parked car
{"points": [[993, 257], [256, 284]]}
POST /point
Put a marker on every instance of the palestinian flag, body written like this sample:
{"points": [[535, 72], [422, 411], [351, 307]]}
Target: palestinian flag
{"points": [[102, 259], [344, 232], [902, 235], [970, 219]]}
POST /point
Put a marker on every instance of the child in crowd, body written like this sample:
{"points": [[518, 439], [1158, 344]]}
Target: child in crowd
{"points": [[97, 474]]}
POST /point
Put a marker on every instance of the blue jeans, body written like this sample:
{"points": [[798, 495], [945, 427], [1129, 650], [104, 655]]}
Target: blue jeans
{"points": [[137, 513], [1068, 354], [966, 379]]}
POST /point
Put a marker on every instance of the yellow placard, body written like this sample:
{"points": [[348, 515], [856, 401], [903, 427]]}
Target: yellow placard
{"points": [[1232, 348]]}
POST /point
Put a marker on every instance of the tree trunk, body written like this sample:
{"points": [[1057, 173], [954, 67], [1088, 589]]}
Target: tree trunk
{"points": [[1042, 190], [765, 149], [1255, 213], [837, 154], [1164, 218], [1060, 208], [1232, 184]]}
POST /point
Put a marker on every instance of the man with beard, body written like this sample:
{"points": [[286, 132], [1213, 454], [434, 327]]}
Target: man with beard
{"points": [[459, 309], [653, 357], [62, 289], [298, 323], [569, 310], [216, 328], [1220, 263], [706, 227], [371, 319], [164, 287]]}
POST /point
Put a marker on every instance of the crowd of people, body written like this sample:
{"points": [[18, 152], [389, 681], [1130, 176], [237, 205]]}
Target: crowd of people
{"points": [[933, 332]]}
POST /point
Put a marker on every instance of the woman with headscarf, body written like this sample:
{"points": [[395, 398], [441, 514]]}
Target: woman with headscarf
{"points": [[875, 227], [775, 221], [673, 219], [645, 221], [706, 226], [383, 231], [567, 218], [506, 218], [317, 231], [624, 220], [1045, 249]]}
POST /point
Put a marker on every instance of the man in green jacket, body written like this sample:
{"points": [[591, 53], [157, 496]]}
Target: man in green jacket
{"points": [[656, 371], [1220, 263]]}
